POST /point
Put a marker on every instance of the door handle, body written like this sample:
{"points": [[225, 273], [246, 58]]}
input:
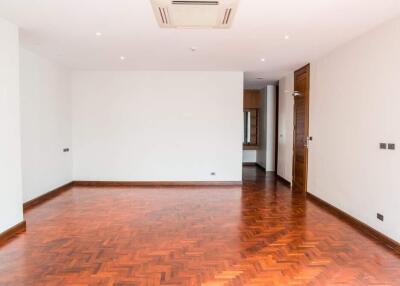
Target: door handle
{"points": [[307, 141], [296, 93]]}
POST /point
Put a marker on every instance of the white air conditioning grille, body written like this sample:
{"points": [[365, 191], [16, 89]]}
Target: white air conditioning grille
{"points": [[195, 13]]}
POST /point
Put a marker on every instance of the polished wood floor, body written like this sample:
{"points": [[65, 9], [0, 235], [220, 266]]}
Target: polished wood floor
{"points": [[260, 234]]}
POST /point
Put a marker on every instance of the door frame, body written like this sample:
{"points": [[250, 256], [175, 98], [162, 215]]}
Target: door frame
{"points": [[305, 68]]}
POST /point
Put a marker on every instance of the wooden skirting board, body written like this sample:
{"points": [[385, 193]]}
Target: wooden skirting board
{"points": [[284, 181], [253, 164], [5, 236], [156, 184], [364, 228], [21, 227], [47, 196], [281, 179]]}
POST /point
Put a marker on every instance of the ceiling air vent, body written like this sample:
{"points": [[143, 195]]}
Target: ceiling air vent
{"points": [[195, 2], [194, 13], [227, 16], [164, 17]]}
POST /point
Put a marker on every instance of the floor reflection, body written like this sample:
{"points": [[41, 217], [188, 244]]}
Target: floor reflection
{"points": [[257, 234]]}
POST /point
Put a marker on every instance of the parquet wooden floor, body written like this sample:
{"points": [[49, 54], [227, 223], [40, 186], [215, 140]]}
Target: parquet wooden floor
{"points": [[260, 234]]}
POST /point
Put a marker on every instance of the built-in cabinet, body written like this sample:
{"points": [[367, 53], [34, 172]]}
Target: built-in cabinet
{"points": [[251, 108]]}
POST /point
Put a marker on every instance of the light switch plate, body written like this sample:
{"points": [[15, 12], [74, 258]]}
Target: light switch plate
{"points": [[382, 145], [391, 146]]}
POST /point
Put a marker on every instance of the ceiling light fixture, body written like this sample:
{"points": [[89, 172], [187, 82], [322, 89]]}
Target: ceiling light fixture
{"points": [[260, 78], [122, 58], [263, 60], [287, 37], [98, 34]]}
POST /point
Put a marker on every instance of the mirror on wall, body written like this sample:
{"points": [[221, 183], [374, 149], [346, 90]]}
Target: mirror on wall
{"points": [[250, 136]]}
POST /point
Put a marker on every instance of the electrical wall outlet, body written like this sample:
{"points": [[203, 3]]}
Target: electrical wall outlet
{"points": [[379, 216], [382, 145], [212, 174], [66, 150], [391, 146]]}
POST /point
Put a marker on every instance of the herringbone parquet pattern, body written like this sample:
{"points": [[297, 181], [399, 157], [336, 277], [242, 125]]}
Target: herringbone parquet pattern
{"points": [[260, 234]]}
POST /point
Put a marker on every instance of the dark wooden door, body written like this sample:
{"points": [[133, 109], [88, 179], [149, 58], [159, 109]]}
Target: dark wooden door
{"points": [[300, 134]]}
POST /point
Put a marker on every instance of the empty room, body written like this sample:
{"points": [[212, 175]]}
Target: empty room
{"points": [[186, 143]]}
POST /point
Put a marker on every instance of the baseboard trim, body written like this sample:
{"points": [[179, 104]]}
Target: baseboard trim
{"points": [[12, 232], [283, 181], [261, 167], [359, 225], [249, 164], [47, 196], [253, 164], [156, 183]]}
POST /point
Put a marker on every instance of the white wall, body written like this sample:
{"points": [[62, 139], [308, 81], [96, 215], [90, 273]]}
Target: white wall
{"points": [[354, 105], [266, 152], [270, 128], [249, 156], [285, 127], [10, 146], [157, 126], [262, 128], [46, 125]]}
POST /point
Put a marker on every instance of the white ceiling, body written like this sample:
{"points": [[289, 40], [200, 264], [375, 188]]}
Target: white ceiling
{"points": [[64, 30]]}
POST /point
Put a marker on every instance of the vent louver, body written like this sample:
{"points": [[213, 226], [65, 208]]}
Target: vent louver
{"points": [[227, 16], [164, 15], [194, 13]]}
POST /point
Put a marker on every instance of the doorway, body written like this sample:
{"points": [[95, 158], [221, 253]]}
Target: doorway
{"points": [[300, 132]]}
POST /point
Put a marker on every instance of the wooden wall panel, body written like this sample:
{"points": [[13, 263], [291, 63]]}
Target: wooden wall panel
{"points": [[251, 98]]}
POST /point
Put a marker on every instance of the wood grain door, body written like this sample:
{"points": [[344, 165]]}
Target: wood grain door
{"points": [[300, 133]]}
